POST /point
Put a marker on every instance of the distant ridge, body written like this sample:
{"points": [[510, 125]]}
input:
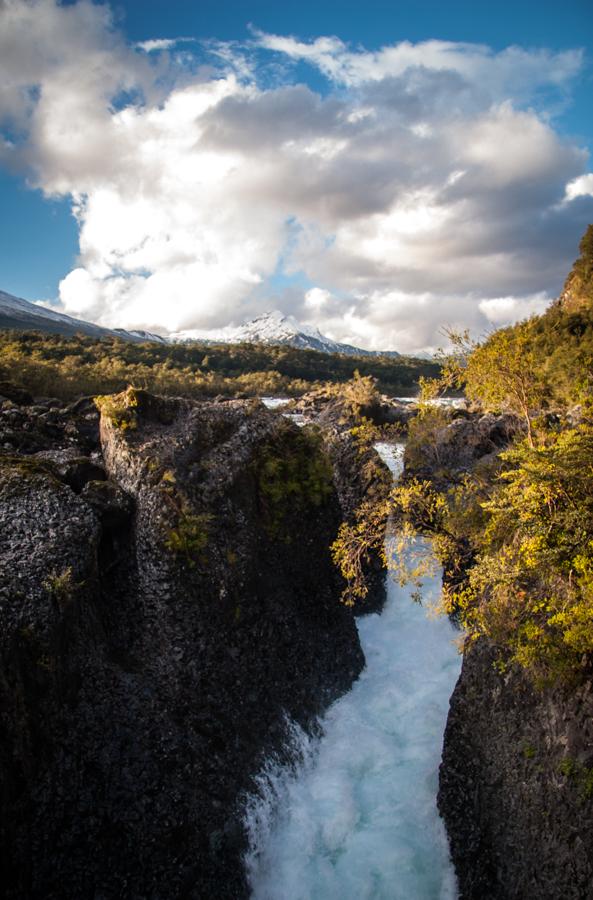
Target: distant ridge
{"points": [[21, 314], [271, 328]]}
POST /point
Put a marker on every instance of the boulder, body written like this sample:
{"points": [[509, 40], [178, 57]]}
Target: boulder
{"points": [[15, 393]]}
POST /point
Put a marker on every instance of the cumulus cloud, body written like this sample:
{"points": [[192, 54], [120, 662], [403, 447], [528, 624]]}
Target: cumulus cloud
{"points": [[580, 187], [425, 186]]}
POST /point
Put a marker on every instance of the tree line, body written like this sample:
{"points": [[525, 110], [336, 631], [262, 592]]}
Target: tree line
{"points": [[68, 367]]}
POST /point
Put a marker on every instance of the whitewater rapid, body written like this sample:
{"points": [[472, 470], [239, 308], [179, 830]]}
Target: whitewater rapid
{"points": [[355, 817]]}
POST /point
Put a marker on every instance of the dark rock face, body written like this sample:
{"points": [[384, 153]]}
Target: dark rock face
{"points": [[458, 445], [154, 630], [74, 469], [360, 475], [47, 425], [516, 786]]}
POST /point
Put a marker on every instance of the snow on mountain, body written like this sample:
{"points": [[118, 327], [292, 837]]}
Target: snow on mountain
{"points": [[270, 328], [141, 335], [21, 314], [276, 328]]}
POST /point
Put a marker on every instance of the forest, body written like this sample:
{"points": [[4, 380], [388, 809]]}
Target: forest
{"points": [[68, 367]]}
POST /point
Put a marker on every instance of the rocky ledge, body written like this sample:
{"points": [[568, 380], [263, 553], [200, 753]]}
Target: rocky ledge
{"points": [[462, 441], [163, 606], [348, 431], [516, 778], [516, 785], [335, 409]]}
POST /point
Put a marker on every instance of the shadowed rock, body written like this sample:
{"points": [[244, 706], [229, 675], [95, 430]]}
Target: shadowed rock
{"points": [[155, 630]]}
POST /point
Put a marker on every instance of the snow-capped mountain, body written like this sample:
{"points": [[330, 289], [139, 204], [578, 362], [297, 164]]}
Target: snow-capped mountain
{"points": [[276, 328], [270, 328], [18, 313]]}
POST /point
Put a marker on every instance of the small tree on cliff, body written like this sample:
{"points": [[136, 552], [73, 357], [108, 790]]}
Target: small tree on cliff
{"points": [[503, 373]]}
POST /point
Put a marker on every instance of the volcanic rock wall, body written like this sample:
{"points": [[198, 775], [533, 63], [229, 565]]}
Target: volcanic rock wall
{"points": [[158, 619]]}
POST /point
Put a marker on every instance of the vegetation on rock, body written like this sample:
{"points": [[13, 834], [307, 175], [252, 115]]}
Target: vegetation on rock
{"points": [[293, 473], [578, 289], [519, 527], [189, 538], [120, 409]]}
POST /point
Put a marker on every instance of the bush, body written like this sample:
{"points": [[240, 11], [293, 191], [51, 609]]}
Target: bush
{"points": [[189, 538], [293, 473]]}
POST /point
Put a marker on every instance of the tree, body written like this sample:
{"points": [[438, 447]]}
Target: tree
{"points": [[503, 373]]}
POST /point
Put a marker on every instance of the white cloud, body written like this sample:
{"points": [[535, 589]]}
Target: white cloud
{"points": [[162, 44], [580, 187], [506, 310], [514, 71], [411, 322], [317, 299], [420, 189]]}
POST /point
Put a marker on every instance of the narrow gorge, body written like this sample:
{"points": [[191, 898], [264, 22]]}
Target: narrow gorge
{"points": [[356, 815], [190, 710]]}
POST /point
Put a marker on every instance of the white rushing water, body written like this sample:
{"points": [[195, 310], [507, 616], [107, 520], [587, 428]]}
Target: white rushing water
{"points": [[275, 402], [355, 818], [451, 402]]}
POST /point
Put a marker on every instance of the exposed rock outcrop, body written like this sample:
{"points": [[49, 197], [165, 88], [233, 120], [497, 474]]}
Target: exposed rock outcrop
{"points": [[27, 427], [335, 411], [516, 786], [360, 477], [577, 292], [455, 447], [154, 630]]}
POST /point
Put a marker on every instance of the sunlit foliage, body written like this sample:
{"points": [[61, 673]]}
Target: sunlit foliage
{"points": [[68, 367], [516, 531]]}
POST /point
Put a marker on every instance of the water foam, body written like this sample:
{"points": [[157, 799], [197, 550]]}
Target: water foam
{"points": [[355, 818]]}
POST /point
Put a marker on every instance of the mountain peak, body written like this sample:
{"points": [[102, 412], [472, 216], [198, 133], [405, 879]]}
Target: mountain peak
{"points": [[276, 327], [271, 327]]}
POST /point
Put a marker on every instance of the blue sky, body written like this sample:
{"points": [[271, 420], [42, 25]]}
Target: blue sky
{"points": [[307, 260], [549, 23]]}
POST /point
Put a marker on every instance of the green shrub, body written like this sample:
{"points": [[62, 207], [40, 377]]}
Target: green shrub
{"points": [[189, 538], [120, 409], [293, 473], [61, 587]]}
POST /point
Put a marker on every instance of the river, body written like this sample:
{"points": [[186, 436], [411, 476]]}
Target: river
{"points": [[355, 817]]}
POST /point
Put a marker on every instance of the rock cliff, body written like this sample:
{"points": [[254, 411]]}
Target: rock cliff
{"points": [[577, 293], [516, 778], [360, 475], [516, 785], [161, 610]]}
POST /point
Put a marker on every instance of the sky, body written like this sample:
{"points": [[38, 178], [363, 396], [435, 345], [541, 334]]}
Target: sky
{"points": [[380, 170]]}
